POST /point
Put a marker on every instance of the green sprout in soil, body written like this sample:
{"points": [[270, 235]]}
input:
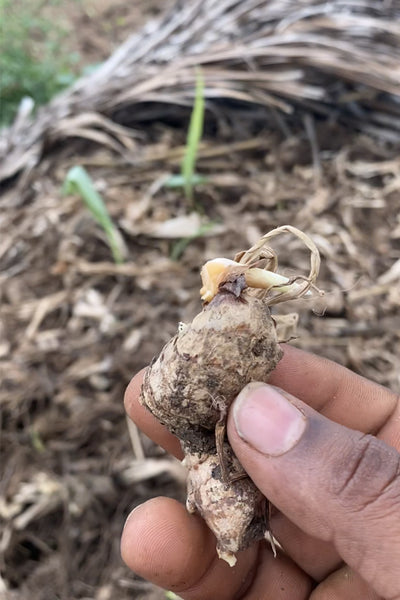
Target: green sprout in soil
{"points": [[178, 181], [188, 178], [180, 246], [193, 138], [37, 441], [79, 182]]}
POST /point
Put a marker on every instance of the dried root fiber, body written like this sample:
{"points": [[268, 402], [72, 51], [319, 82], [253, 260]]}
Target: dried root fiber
{"points": [[190, 386]]}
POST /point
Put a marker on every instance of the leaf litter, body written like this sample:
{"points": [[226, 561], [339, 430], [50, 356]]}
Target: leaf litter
{"points": [[75, 326]]}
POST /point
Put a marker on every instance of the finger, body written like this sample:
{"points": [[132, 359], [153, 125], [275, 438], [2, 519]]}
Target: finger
{"points": [[277, 578], [316, 557], [145, 420], [323, 383], [335, 483], [163, 543], [333, 390], [344, 584]]}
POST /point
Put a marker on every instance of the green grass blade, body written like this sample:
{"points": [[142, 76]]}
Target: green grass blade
{"points": [[37, 441], [180, 246], [33, 59], [79, 182], [193, 138], [178, 181]]}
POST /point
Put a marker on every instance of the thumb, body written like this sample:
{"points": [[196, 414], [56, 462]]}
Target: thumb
{"points": [[336, 484]]}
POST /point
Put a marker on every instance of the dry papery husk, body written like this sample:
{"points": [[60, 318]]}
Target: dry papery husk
{"points": [[74, 326]]}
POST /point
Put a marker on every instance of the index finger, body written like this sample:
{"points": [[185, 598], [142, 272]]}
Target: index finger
{"points": [[334, 391], [145, 420]]}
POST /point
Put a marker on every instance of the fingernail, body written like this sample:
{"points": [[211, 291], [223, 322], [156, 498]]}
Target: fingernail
{"points": [[267, 420], [130, 515]]}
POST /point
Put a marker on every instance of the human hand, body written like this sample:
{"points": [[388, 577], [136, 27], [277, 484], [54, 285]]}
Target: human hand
{"points": [[337, 491]]}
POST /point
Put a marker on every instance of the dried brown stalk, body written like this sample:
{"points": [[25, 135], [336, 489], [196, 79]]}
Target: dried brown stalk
{"points": [[336, 58]]}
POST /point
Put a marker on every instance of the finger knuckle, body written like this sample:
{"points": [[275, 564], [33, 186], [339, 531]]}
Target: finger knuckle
{"points": [[368, 476]]}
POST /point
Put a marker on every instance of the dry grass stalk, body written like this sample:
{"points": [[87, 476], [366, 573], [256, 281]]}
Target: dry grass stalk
{"points": [[332, 58]]}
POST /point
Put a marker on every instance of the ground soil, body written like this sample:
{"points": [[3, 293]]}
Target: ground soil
{"points": [[74, 326], [95, 28]]}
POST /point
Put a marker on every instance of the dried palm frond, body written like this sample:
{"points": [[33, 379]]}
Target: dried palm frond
{"points": [[337, 59]]}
